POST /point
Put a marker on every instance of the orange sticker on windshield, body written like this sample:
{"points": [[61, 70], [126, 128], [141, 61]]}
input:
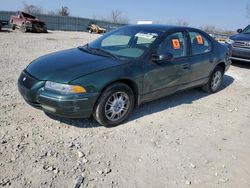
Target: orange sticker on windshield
{"points": [[199, 39], [176, 44]]}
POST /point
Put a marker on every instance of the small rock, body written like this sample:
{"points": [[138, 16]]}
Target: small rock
{"points": [[78, 146], [100, 172], [49, 153], [234, 157], [50, 168], [79, 182], [56, 171], [70, 145], [4, 142], [107, 170], [222, 180], [80, 154], [192, 165], [84, 160], [188, 182]]}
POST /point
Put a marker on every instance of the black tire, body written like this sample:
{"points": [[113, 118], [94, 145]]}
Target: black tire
{"points": [[23, 28], [210, 87], [13, 27], [100, 110]]}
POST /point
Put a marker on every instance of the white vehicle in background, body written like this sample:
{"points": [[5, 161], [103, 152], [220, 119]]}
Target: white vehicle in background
{"points": [[145, 22]]}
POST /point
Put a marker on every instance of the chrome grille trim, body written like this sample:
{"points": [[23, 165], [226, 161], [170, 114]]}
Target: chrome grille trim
{"points": [[241, 44]]}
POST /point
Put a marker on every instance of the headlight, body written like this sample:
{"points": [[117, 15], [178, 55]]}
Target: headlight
{"points": [[64, 88], [229, 41]]}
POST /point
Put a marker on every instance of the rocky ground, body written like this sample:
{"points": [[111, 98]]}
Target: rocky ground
{"points": [[189, 139]]}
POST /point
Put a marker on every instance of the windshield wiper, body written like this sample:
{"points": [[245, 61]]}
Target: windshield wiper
{"points": [[104, 52]]}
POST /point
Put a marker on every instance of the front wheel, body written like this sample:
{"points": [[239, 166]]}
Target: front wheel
{"points": [[23, 28], [13, 27], [114, 105], [215, 81]]}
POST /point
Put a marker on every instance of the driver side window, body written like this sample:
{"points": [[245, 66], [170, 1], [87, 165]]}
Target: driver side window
{"points": [[175, 44]]}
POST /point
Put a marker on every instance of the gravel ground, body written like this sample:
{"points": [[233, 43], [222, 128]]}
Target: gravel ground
{"points": [[189, 139]]}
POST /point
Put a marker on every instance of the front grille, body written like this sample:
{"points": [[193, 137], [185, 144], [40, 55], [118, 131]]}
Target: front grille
{"points": [[27, 80], [241, 44]]}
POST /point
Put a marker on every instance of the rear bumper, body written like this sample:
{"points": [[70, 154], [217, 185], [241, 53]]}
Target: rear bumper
{"points": [[71, 106], [241, 54]]}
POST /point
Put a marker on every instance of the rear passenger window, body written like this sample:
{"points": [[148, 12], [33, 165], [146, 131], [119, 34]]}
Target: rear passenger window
{"points": [[199, 43], [175, 44]]}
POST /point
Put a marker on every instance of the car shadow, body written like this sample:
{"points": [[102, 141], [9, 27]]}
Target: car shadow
{"points": [[77, 122], [5, 30], [241, 64], [179, 98]]}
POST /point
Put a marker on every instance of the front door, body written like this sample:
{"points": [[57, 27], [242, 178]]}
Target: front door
{"points": [[164, 78]]}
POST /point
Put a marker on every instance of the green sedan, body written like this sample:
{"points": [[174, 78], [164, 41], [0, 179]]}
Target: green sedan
{"points": [[122, 69]]}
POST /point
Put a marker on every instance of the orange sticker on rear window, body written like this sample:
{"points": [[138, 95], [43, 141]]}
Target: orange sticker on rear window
{"points": [[176, 44], [199, 39]]}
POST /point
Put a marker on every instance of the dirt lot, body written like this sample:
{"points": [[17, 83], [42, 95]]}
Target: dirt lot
{"points": [[189, 139]]}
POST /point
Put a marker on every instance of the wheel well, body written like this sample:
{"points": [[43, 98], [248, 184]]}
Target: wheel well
{"points": [[222, 65], [129, 83]]}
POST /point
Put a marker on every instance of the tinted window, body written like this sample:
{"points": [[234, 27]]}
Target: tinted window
{"points": [[116, 40], [199, 43], [247, 30], [126, 42], [175, 44]]}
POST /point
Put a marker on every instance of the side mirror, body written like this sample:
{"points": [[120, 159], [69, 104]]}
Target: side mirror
{"points": [[162, 57], [239, 30]]}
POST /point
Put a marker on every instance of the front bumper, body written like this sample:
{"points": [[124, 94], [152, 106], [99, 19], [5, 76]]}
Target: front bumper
{"points": [[71, 106], [241, 54]]}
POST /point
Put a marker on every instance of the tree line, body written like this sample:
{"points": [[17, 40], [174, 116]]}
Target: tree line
{"points": [[117, 16]]}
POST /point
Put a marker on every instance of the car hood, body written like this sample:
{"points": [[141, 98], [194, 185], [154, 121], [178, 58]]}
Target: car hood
{"points": [[67, 65], [242, 36]]}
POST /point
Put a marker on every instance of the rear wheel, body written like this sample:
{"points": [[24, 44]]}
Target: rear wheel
{"points": [[215, 81], [114, 105]]}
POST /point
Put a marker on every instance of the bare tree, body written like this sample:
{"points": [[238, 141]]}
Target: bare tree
{"points": [[51, 12], [209, 29], [64, 11], [182, 23], [117, 17], [32, 9], [213, 30]]}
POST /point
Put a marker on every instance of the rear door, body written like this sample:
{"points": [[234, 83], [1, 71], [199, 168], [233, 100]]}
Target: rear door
{"points": [[202, 56], [165, 78]]}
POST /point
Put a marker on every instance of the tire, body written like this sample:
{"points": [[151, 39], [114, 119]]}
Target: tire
{"points": [[13, 27], [117, 100], [23, 28], [215, 81]]}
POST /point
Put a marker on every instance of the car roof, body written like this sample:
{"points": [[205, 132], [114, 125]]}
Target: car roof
{"points": [[160, 27]]}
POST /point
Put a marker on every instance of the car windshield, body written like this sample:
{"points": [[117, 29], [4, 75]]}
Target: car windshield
{"points": [[246, 30], [125, 43]]}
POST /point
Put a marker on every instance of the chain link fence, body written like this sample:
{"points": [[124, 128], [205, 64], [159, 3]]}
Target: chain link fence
{"points": [[64, 23]]}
